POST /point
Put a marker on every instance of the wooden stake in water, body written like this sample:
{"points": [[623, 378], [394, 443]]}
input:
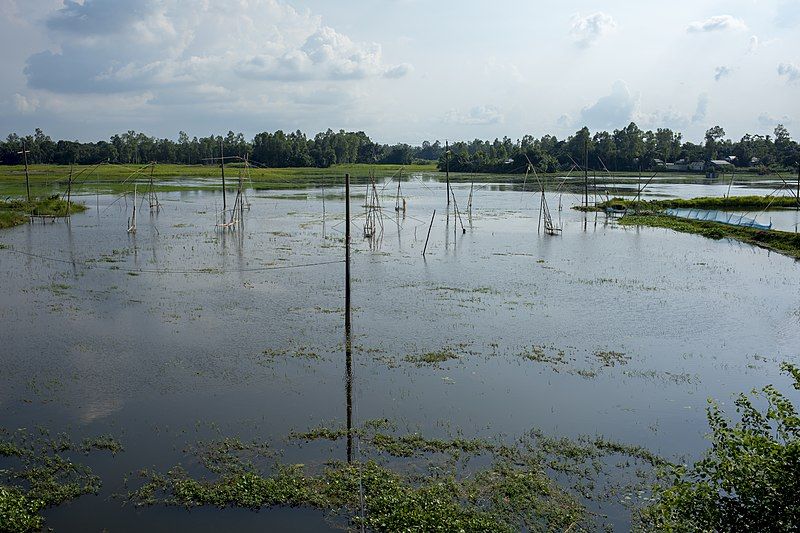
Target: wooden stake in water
{"points": [[222, 166], [447, 168], [429, 234], [69, 190], [24, 153], [348, 341], [132, 220]]}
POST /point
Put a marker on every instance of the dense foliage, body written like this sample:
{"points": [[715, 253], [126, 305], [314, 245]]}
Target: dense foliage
{"points": [[626, 149], [277, 149], [750, 478]]}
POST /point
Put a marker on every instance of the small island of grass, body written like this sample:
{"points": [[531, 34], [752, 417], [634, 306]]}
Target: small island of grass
{"points": [[17, 212]]}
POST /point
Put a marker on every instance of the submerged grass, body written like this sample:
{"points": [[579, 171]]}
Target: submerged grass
{"points": [[40, 474], [783, 242], [432, 358]]}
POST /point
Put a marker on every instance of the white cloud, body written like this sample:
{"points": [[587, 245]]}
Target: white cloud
{"points": [[159, 45], [25, 104], [701, 111], [769, 121], [398, 71], [587, 30], [717, 23], [790, 70], [477, 116], [721, 72], [752, 47], [612, 111]]}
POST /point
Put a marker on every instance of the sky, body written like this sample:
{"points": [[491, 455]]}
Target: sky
{"points": [[400, 70]]}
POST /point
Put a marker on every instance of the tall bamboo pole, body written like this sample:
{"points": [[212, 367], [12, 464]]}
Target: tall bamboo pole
{"points": [[348, 341], [27, 177]]}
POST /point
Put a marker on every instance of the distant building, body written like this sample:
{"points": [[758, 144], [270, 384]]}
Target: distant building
{"points": [[716, 167], [697, 166], [678, 166]]}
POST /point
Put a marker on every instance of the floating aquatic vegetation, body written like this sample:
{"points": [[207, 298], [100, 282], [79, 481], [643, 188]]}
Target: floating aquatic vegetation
{"points": [[515, 491], [42, 474], [611, 358], [432, 358]]}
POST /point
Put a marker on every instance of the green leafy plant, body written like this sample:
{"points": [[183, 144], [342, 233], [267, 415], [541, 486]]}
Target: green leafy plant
{"points": [[750, 478]]}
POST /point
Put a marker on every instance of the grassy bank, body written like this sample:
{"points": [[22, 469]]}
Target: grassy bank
{"points": [[16, 212], [110, 178], [733, 203], [782, 242], [113, 178]]}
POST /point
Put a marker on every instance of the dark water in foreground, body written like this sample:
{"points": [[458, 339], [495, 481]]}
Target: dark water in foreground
{"points": [[174, 354]]}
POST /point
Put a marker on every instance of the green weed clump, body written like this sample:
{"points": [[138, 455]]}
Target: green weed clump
{"points": [[512, 488]]}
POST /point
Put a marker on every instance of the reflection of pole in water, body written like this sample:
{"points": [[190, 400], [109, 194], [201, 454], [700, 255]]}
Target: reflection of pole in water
{"points": [[71, 246], [348, 343]]}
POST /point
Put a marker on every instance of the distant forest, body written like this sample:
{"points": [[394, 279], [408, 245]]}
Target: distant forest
{"points": [[626, 149]]}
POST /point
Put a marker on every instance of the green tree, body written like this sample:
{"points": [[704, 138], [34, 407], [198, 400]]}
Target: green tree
{"points": [[713, 137]]}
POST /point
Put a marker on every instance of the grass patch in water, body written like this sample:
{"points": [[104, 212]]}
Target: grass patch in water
{"points": [[40, 474], [514, 491], [540, 354], [432, 358], [17, 212], [302, 352], [9, 219], [731, 203], [783, 242], [612, 358]]}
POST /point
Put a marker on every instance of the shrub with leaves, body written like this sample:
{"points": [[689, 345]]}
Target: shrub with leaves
{"points": [[750, 478]]}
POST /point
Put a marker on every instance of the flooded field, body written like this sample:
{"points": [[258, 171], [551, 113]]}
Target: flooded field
{"points": [[184, 333]]}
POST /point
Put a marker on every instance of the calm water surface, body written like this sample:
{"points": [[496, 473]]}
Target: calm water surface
{"points": [[159, 338]]}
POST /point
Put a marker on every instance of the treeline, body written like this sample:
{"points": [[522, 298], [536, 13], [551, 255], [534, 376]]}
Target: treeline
{"points": [[277, 149], [626, 149]]}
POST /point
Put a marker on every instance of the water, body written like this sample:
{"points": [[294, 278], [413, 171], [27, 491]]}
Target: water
{"points": [[157, 338]]}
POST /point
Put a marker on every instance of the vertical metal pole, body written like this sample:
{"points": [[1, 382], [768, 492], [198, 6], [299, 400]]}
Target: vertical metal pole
{"points": [[348, 342], [27, 178]]}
